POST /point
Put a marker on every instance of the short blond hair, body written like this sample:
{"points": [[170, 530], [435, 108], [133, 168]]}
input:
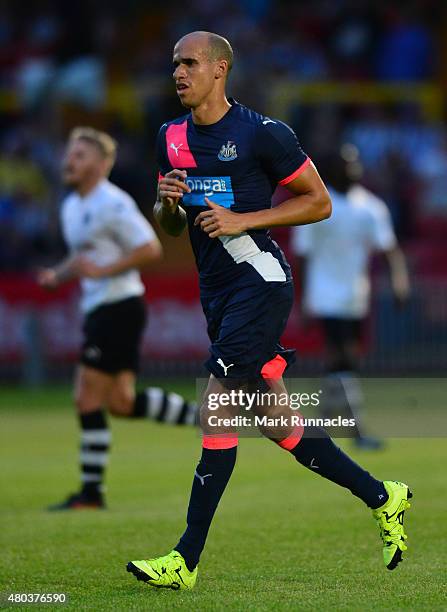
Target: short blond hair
{"points": [[106, 145]]}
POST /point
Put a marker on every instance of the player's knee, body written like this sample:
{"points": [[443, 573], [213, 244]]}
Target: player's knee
{"points": [[88, 397], [120, 403], [85, 402]]}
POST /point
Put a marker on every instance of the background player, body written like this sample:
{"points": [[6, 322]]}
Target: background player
{"points": [[109, 241], [219, 157], [333, 266]]}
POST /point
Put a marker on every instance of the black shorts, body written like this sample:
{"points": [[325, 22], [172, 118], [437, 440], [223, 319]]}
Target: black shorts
{"points": [[245, 325], [341, 332], [113, 335]]}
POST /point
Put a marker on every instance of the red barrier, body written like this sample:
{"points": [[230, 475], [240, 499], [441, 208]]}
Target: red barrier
{"points": [[176, 329]]}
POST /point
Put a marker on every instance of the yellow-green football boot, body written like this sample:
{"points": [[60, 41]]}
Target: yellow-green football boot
{"points": [[390, 519], [168, 572]]}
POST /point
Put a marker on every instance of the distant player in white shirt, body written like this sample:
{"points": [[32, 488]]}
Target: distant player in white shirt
{"points": [[334, 269], [109, 241]]}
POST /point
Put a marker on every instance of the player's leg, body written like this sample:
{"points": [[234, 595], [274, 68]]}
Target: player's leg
{"points": [[343, 391], [99, 362], [178, 569], [233, 324], [157, 404], [229, 335], [239, 326], [212, 474], [92, 388], [124, 344], [121, 397], [313, 448], [153, 403], [237, 323]]}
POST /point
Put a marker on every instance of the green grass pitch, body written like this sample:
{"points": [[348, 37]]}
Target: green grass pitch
{"points": [[282, 538]]}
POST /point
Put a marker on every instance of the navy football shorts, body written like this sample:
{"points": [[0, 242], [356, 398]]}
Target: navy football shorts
{"points": [[245, 324]]}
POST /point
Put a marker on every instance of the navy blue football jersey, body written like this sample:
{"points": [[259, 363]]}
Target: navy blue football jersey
{"points": [[236, 163]]}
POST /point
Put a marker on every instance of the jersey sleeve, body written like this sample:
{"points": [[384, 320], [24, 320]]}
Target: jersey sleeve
{"points": [[162, 157], [280, 152], [382, 233], [129, 225]]}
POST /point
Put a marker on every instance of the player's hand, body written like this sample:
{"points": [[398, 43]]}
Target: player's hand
{"points": [[47, 278], [401, 292], [172, 187], [85, 268], [219, 221]]}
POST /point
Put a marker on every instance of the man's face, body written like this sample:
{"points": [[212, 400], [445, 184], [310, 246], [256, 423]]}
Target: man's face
{"points": [[82, 163], [194, 73]]}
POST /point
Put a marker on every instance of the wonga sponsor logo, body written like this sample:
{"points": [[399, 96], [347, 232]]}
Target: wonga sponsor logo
{"points": [[217, 188]]}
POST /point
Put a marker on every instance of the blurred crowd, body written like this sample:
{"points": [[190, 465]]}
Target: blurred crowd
{"points": [[59, 61]]}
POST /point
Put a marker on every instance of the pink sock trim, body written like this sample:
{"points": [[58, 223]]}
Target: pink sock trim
{"points": [[220, 441], [293, 439]]}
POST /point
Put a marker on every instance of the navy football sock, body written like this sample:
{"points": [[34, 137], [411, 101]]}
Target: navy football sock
{"points": [[210, 479], [317, 452]]}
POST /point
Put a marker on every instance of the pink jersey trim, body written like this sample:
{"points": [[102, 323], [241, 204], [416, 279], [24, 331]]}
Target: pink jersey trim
{"points": [[177, 146], [296, 173]]}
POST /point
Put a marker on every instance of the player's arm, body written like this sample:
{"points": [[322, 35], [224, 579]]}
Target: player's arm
{"points": [[51, 278], [400, 281], [169, 214], [137, 259], [134, 235], [309, 203], [64, 271], [383, 239]]}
